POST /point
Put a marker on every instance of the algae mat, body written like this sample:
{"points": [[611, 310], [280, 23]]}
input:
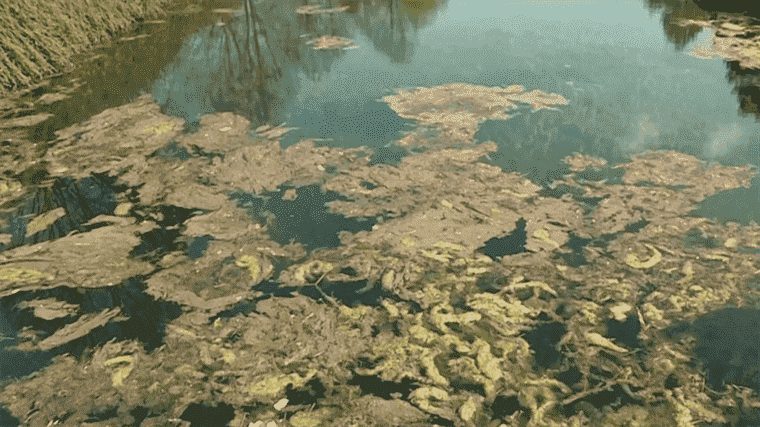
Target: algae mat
{"points": [[480, 317]]}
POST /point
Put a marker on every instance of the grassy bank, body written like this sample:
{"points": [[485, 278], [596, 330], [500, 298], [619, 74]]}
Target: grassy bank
{"points": [[39, 37]]}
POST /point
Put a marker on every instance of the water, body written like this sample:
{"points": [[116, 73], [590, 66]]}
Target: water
{"points": [[15, 363], [615, 60], [611, 56], [631, 88]]}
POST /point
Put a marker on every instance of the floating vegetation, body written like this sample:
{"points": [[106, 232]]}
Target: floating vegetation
{"points": [[456, 109], [409, 320], [316, 9], [734, 42], [331, 42]]}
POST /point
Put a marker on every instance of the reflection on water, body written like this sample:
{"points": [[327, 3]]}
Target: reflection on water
{"points": [[16, 363], [635, 76], [630, 72], [596, 79], [630, 90]]}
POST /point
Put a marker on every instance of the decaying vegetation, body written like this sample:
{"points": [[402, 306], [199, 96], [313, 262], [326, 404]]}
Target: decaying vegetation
{"points": [[149, 261], [735, 40], [441, 331]]}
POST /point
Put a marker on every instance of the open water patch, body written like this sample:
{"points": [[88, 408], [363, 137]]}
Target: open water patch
{"points": [[16, 364], [38, 325], [54, 211], [301, 214], [373, 124]]}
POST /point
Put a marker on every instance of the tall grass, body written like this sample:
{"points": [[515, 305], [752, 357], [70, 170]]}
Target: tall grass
{"points": [[39, 37]]}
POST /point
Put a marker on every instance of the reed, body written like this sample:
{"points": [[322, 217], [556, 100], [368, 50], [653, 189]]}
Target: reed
{"points": [[39, 37]]}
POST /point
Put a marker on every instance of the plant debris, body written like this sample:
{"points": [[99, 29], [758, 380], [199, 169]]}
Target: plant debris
{"points": [[424, 326]]}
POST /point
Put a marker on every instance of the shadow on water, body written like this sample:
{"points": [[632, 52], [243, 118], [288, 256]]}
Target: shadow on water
{"points": [[59, 208], [126, 311], [16, 364]]}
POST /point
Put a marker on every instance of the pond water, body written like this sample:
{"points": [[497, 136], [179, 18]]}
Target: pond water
{"points": [[629, 87]]}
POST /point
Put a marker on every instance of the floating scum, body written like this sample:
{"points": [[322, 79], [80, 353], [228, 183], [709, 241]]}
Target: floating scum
{"points": [[452, 112], [482, 202], [439, 329], [326, 42], [436, 220], [446, 204], [93, 260]]}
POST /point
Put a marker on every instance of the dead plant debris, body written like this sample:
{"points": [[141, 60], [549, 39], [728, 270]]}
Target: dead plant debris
{"points": [[456, 336]]}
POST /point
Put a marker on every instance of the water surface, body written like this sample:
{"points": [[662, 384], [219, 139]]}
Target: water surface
{"points": [[629, 86]]}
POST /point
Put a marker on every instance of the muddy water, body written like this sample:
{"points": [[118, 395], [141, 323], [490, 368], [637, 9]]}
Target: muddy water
{"points": [[628, 86]]}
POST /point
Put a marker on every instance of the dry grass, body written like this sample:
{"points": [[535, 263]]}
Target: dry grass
{"points": [[39, 37]]}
